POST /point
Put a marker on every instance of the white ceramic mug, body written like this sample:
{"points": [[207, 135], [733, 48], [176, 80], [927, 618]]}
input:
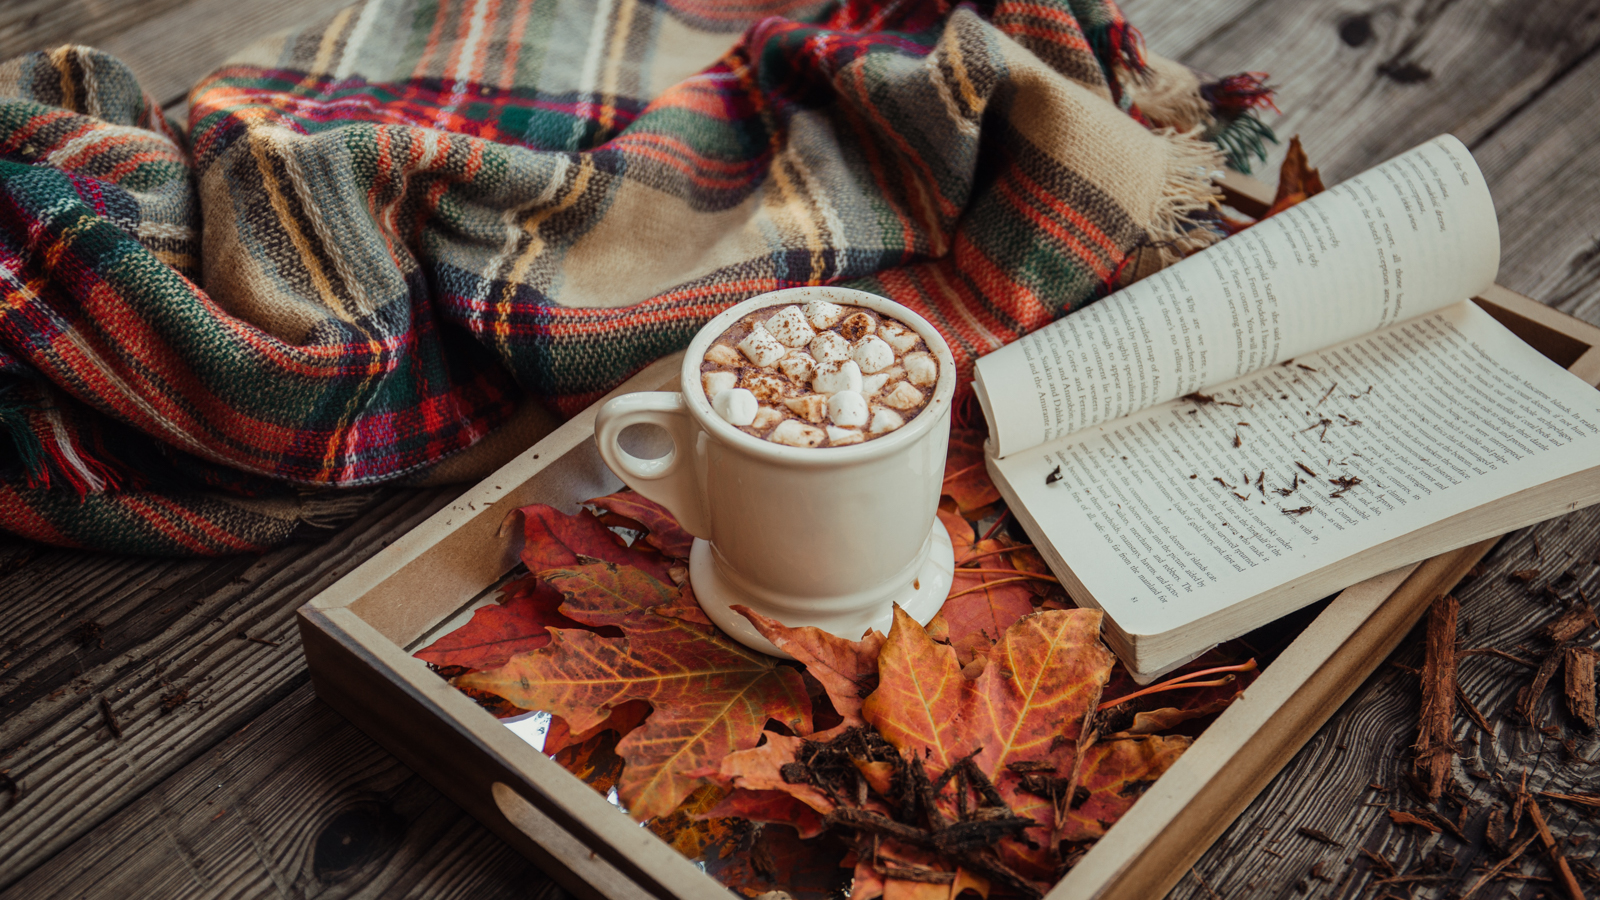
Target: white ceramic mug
{"points": [[826, 536]]}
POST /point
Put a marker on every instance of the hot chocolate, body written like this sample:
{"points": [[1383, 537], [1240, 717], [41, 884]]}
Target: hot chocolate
{"points": [[818, 375]]}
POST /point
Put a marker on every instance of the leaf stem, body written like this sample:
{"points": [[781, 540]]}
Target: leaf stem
{"points": [[1018, 572], [976, 556], [989, 584], [960, 472], [1184, 681]]}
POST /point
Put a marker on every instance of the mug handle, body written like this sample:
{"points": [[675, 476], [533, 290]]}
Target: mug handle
{"points": [[672, 480]]}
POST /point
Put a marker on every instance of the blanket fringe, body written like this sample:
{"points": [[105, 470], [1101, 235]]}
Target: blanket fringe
{"points": [[1242, 140], [50, 453], [1117, 44], [1182, 221]]}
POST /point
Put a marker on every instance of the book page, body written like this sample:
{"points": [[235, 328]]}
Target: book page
{"points": [[1183, 509], [1412, 235]]}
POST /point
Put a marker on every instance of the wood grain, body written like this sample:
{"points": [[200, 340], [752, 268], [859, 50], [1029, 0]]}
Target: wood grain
{"points": [[1516, 81], [298, 803], [169, 44], [163, 627], [1264, 853]]}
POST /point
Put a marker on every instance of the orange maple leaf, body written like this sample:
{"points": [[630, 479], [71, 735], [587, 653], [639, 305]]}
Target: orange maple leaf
{"points": [[1115, 774], [843, 667], [1297, 181], [709, 695], [978, 612], [966, 480]]}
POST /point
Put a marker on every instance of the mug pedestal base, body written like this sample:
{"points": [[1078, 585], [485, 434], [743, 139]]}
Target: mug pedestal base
{"points": [[921, 597]]}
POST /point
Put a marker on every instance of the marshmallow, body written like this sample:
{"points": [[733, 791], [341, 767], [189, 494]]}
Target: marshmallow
{"points": [[872, 354], [811, 407], [829, 347], [857, 327], [837, 376], [723, 355], [899, 336], [872, 384], [761, 348], [838, 437], [798, 365], [766, 417], [847, 408], [822, 314], [790, 328], [921, 370], [770, 389], [736, 405], [798, 434], [885, 421], [717, 382], [904, 396]]}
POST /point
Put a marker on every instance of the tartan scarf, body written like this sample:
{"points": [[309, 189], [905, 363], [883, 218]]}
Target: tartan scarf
{"points": [[382, 236]]}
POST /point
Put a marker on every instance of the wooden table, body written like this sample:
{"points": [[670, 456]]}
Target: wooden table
{"points": [[231, 779]]}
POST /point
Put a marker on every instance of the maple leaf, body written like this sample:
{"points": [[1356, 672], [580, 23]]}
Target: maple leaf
{"points": [[1297, 181], [624, 718], [761, 769], [843, 667], [694, 827], [662, 531], [966, 480], [709, 695], [1115, 774], [519, 623], [975, 615], [772, 807], [553, 540], [777, 859]]}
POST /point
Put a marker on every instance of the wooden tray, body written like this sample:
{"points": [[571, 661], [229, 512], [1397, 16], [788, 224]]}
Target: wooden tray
{"points": [[356, 635]]}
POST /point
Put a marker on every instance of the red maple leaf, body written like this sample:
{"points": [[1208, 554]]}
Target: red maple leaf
{"points": [[843, 667], [633, 510], [709, 695], [519, 623], [554, 540]]}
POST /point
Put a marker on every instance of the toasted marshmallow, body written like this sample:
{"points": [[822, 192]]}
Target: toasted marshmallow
{"points": [[872, 354], [921, 370], [828, 347], [857, 327], [837, 376], [885, 421], [766, 417], [790, 328], [847, 409], [838, 437], [798, 365], [770, 389], [872, 384], [723, 355], [904, 396], [761, 348], [822, 314], [717, 382], [796, 433], [736, 405], [811, 407], [899, 336]]}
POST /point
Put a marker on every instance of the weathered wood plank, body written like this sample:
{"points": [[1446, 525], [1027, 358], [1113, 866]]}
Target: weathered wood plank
{"points": [[1545, 168], [1327, 785], [1362, 84], [165, 627], [27, 25], [297, 803], [173, 51]]}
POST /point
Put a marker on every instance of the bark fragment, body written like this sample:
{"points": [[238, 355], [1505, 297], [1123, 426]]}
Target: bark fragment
{"points": [[1435, 748]]}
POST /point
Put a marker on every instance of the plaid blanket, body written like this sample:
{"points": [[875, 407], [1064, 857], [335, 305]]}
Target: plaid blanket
{"points": [[382, 236]]}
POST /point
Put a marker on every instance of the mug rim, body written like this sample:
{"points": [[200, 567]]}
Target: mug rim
{"points": [[699, 405]]}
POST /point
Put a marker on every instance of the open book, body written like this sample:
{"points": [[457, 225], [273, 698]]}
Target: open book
{"points": [[1295, 409]]}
